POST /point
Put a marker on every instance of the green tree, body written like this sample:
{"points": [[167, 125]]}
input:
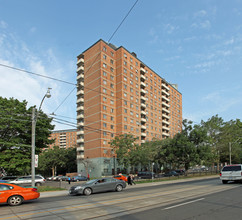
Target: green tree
{"points": [[15, 135]]}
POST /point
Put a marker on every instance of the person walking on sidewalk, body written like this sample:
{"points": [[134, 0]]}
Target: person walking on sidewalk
{"points": [[132, 179], [129, 180], [69, 180]]}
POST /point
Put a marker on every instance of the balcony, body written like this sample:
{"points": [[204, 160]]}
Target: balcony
{"points": [[80, 100], [81, 123], [80, 132], [142, 78], [165, 134], [142, 85], [143, 134], [165, 92], [143, 106], [143, 113], [165, 128], [80, 116], [80, 149], [165, 86], [165, 110], [81, 85], [143, 92], [143, 127], [165, 116], [80, 140], [80, 69], [80, 61], [165, 122], [165, 98], [80, 92], [79, 157], [142, 141], [142, 70], [80, 108], [165, 104], [143, 98], [80, 76], [143, 120]]}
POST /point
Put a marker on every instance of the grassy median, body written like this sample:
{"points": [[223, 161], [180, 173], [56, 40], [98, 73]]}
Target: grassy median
{"points": [[48, 188]]}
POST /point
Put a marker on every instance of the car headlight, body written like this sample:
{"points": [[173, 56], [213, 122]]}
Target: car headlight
{"points": [[78, 187]]}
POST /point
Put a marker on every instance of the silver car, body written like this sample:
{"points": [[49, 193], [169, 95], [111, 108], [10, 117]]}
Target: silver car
{"points": [[27, 180], [98, 185]]}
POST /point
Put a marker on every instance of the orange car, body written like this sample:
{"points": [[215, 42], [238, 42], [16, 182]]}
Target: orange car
{"points": [[15, 195], [121, 177]]}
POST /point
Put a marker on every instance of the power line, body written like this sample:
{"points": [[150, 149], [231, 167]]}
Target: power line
{"points": [[122, 21], [36, 74]]}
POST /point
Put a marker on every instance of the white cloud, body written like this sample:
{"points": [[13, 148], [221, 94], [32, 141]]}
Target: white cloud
{"points": [[200, 13], [202, 25]]}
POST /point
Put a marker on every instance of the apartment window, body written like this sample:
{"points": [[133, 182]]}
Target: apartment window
{"points": [[125, 102], [131, 59], [137, 115], [125, 118], [104, 124], [104, 99], [112, 77], [125, 110], [104, 57], [131, 121], [104, 90], [131, 113], [125, 127], [112, 94], [125, 71], [137, 86], [111, 85], [131, 67], [131, 105], [131, 97], [137, 101], [137, 130], [112, 126], [104, 133], [112, 110], [111, 69], [131, 90], [112, 118], [131, 75], [125, 86], [125, 78], [105, 142], [104, 107], [131, 128], [104, 73], [104, 116], [104, 49], [136, 63], [112, 102], [125, 63], [137, 79], [131, 82], [104, 82], [125, 55], [104, 65], [112, 54], [111, 61], [125, 94], [112, 135]]}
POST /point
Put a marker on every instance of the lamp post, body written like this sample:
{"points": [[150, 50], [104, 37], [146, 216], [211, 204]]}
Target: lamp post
{"points": [[34, 121]]}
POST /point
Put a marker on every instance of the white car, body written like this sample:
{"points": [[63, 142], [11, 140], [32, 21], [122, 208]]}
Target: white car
{"points": [[27, 180], [231, 173]]}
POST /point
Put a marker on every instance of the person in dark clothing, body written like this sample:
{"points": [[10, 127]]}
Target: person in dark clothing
{"points": [[129, 180], [69, 179]]}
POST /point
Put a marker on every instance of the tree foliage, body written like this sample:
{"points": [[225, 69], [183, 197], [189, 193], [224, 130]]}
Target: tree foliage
{"points": [[15, 135]]}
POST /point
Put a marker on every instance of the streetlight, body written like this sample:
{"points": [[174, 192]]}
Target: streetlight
{"points": [[230, 143], [34, 120]]}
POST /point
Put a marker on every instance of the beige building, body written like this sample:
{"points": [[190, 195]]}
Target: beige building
{"points": [[117, 93]]}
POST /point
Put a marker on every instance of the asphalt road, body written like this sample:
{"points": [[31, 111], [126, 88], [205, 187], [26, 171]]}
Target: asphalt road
{"points": [[223, 206], [155, 201]]}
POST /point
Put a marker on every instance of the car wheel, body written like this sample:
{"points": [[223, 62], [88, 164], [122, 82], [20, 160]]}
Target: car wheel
{"points": [[119, 188], [87, 191], [15, 200], [37, 184], [224, 181]]}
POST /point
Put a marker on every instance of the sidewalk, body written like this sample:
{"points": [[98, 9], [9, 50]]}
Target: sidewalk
{"points": [[65, 192]]}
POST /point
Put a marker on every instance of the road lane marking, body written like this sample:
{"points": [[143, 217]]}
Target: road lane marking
{"points": [[185, 203]]}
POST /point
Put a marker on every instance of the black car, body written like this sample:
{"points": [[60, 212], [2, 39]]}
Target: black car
{"points": [[98, 185], [146, 175], [8, 178], [171, 173], [180, 172]]}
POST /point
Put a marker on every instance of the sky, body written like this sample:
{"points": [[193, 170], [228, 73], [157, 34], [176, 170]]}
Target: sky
{"points": [[195, 44]]}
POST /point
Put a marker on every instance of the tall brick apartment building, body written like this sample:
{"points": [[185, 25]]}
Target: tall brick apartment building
{"points": [[117, 93]]}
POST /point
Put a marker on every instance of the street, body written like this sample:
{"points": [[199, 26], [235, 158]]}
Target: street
{"points": [[197, 199]]}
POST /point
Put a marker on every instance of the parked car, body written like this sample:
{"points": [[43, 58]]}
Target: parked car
{"points": [[14, 195], [98, 185], [171, 173], [231, 173], [180, 172], [146, 175], [78, 178], [27, 180], [8, 178], [62, 178], [121, 177]]}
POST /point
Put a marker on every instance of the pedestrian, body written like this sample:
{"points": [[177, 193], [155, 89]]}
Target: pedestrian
{"points": [[132, 179], [69, 179], [88, 176], [129, 180]]}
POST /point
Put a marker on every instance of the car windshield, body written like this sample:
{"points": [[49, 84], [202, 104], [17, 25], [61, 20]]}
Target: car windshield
{"points": [[232, 168], [91, 181]]}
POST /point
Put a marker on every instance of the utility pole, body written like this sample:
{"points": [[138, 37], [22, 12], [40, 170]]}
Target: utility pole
{"points": [[33, 147], [230, 153]]}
